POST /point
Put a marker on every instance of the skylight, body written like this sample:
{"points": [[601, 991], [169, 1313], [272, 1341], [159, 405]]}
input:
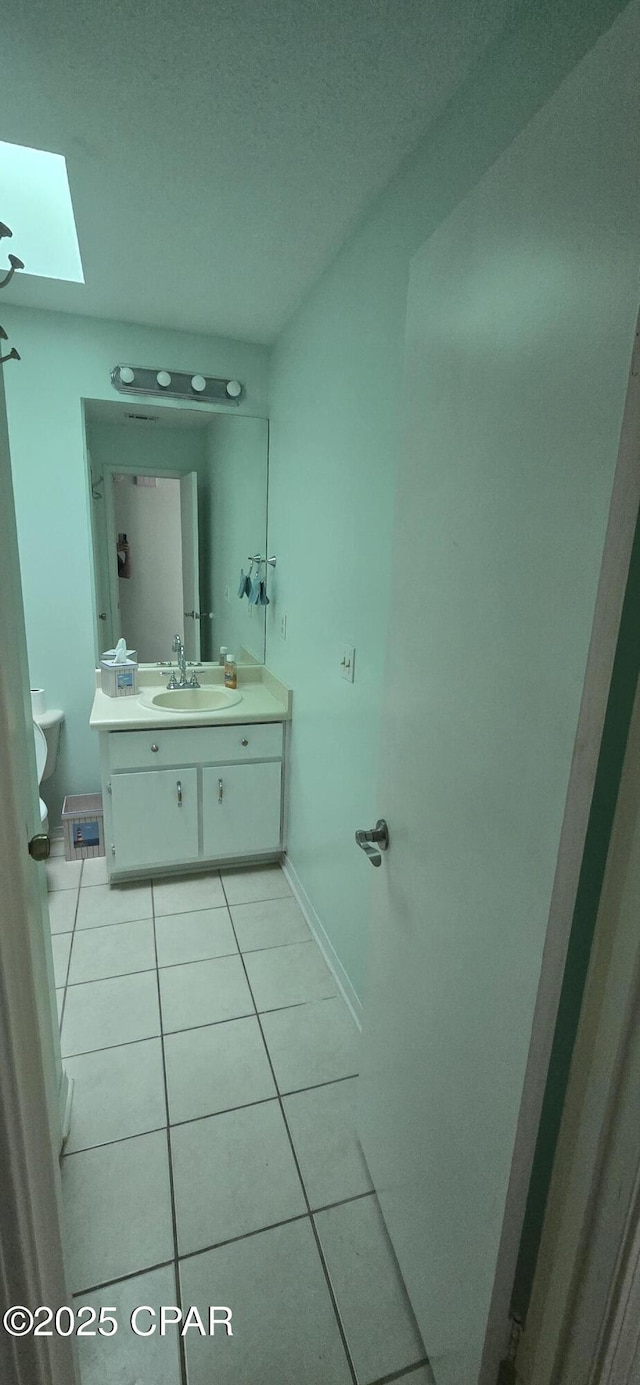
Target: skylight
{"points": [[35, 201]]}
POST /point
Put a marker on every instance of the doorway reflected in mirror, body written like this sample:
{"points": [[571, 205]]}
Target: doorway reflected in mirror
{"points": [[178, 503]]}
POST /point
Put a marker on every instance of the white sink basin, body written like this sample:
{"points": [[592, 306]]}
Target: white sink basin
{"points": [[191, 699]]}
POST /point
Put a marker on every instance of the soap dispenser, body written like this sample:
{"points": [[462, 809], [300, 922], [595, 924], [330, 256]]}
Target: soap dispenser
{"points": [[230, 672]]}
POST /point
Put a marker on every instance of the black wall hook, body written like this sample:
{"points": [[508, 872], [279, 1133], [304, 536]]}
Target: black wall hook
{"points": [[13, 354], [15, 264]]}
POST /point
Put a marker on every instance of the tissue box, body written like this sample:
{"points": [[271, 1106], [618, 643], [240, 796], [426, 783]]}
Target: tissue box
{"points": [[83, 826], [109, 655], [119, 680]]}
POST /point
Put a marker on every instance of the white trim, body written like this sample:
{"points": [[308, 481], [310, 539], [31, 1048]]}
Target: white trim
{"points": [[342, 980], [622, 1359], [32, 1268], [584, 1278]]}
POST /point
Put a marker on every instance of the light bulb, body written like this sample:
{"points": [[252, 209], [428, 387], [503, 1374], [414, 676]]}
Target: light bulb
{"points": [[126, 375], [164, 379], [198, 383], [234, 388]]}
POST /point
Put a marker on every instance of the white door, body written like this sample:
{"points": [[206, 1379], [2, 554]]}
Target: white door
{"points": [[190, 568], [155, 817], [31, 1076], [241, 809], [520, 326]]}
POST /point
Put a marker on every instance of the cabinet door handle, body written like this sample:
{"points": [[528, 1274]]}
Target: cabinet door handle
{"points": [[179, 789], [220, 790], [244, 741], [154, 748]]}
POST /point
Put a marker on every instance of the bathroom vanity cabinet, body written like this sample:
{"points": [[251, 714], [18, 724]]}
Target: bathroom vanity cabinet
{"points": [[181, 796], [192, 788]]}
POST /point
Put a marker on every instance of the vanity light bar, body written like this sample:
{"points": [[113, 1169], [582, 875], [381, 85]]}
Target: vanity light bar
{"points": [[175, 384]]}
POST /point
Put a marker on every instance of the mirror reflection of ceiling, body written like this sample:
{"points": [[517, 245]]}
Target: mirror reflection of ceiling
{"points": [[148, 598], [218, 154]]}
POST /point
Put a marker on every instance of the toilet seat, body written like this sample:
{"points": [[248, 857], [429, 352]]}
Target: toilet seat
{"points": [[40, 742]]}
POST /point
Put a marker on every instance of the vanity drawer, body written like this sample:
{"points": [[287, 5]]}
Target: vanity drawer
{"points": [[152, 749]]}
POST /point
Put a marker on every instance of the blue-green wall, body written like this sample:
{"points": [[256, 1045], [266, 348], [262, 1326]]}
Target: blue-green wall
{"points": [[66, 359]]}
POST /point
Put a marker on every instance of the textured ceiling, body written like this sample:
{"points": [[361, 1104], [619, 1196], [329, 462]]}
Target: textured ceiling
{"points": [[219, 153]]}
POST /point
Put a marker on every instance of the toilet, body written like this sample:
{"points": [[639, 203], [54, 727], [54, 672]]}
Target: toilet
{"points": [[46, 735]]}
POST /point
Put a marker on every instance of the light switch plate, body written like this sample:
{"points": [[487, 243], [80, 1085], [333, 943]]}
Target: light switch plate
{"points": [[348, 662]]}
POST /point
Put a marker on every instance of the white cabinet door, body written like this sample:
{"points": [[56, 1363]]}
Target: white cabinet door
{"points": [[155, 817], [241, 809]]}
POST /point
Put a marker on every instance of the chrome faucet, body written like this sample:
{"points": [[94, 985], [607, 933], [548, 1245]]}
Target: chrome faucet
{"points": [[184, 682]]}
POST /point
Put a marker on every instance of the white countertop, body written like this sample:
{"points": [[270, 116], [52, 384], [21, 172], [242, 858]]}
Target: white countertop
{"points": [[264, 698]]}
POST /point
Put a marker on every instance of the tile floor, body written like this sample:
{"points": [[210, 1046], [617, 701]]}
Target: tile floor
{"points": [[212, 1157]]}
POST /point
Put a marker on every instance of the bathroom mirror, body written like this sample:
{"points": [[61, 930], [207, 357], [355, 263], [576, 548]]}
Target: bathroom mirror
{"points": [[178, 504]]}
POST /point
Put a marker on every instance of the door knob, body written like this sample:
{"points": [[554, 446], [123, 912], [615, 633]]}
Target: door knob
{"points": [[40, 847], [378, 835]]}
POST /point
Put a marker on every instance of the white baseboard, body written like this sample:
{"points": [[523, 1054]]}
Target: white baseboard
{"points": [[352, 1001]]}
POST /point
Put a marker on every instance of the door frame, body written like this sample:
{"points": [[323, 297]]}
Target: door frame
{"points": [[582, 1326], [109, 471], [32, 1268]]}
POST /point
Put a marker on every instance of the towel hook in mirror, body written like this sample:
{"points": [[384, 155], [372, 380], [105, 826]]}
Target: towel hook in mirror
{"points": [[13, 354]]}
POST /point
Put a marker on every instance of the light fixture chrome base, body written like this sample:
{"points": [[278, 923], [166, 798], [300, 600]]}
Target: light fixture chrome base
{"points": [[175, 384]]}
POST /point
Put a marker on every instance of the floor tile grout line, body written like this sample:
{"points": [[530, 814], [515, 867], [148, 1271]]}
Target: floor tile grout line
{"points": [[277, 947], [113, 923], [122, 1278], [119, 923], [402, 1372], [72, 930], [117, 976], [105, 1048], [243, 1236], [119, 1140], [210, 1115], [190, 1255], [171, 966], [230, 1241], [323, 1263], [194, 1120], [172, 1194], [250, 1014]]}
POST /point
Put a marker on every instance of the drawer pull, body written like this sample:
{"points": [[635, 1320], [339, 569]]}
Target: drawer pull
{"points": [[155, 747], [244, 741], [220, 790], [179, 789]]}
